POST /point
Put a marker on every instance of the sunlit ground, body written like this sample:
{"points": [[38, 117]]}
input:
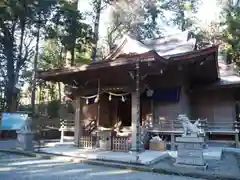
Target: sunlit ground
{"points": [[57, 169]]}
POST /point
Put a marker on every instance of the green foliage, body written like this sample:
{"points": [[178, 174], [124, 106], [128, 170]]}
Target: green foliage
{"points": [[182, 10], [27, 108], [18, 20], [67, 28], [50, 57], [143, 19], [135, 18], [21, 22], [231, 32], [53, 108]]}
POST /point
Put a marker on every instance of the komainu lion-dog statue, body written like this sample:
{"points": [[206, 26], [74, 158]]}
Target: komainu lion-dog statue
{"points": [[188, 127]]}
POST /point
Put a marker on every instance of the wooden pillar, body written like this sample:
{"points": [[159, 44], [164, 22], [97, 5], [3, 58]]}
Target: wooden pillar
{"points": [[136, 132], [98, 116], [77, 124], [237, 140], [153, 112]]}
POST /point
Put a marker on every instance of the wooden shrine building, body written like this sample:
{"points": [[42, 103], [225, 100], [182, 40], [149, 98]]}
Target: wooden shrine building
{"points": [[143, 86]]}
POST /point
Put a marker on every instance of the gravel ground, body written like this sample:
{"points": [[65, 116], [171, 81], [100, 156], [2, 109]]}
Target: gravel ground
{"points": [[17, 167], [8, 144], [228, 165]]}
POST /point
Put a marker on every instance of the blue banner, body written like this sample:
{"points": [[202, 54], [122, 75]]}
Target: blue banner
{"points": [[167, 94], [13, 121]]}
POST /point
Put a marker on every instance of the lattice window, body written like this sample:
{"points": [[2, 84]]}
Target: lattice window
{"points": [[87, 142], [121, 144]]}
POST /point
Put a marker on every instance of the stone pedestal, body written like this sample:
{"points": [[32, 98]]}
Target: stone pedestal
{"points": [[105, 139], [190, 152], [25, 141]]}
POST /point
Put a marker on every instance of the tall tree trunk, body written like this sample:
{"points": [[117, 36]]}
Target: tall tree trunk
{"points": [[8, 41], [10, 76], [16, 96], [59, 84], [97, 4], [70, 58], [35, 64], [74, 31], [40, 99], [182, 25], [59, 91]]}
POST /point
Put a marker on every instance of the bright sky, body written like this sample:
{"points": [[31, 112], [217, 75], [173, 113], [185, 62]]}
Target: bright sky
{"points": [[208, 12]]}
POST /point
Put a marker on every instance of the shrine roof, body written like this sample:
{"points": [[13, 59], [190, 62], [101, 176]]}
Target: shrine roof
{"points": [[161, 50]]}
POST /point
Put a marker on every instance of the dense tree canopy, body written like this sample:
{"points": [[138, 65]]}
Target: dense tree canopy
{"points": [[24, 24], [49, 33], [231, 30]]}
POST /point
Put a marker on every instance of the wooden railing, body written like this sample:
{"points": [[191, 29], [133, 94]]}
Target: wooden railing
{"points": [[175, 125]]}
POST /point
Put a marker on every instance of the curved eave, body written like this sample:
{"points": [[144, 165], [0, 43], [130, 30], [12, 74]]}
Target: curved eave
{"points": [[123, 60], [232, 81], [192, 54]]}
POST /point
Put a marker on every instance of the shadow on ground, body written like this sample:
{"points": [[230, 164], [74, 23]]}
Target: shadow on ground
{"points": [[227, 166], [22, 168]]}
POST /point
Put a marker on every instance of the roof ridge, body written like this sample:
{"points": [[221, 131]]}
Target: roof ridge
{"points": [[166, 36], [125, 39]]}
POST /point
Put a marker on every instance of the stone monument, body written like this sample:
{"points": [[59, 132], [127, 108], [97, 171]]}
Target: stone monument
{"points": [[190, 145], [25, 136]]}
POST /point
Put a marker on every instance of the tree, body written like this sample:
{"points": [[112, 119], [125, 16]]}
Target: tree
{"points": [[72, 35], [43, 11], [231, 31], [183, 12], [15, 19], [23, 24], [207, 35], [97, 7], [64, 37], [137, 18], [50, 58]]}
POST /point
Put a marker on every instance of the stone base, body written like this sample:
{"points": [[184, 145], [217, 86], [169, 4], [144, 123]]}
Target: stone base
{"points": [[25, 141], [189, 159], [190, 152], [202, 167], [132, 150], [190, 139]]}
